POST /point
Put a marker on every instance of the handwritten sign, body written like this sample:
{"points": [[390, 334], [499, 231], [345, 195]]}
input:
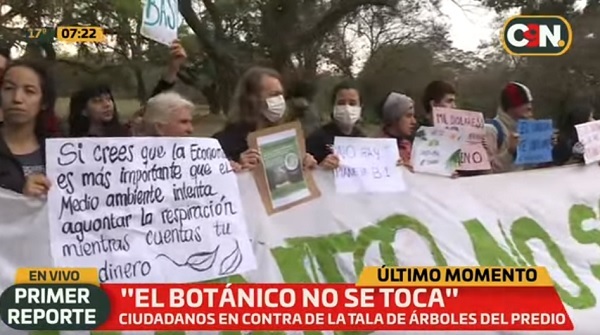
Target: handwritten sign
{"points": [[535, 142], [368, 165], [471, 125], [161, 20], [146, 209], [589, 136], [436, 151]]}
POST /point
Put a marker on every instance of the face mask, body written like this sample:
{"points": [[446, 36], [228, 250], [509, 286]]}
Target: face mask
{"points": [[346, 114], [275, 108]]}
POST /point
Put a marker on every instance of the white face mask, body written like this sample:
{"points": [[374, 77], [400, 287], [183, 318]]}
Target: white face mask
{"points": [[346, 115], [275, 108]]}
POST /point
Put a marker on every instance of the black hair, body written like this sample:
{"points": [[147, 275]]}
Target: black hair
{"points": [[345, 85], [79, 123], [48, 91], [576, 113], [436, 90]]}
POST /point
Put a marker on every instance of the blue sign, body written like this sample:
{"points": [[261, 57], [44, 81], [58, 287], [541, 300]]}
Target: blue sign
{"points": [[535, 142]]}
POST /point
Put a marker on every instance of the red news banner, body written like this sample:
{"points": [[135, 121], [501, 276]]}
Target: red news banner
{"points": [[432, 298], [396, 299]]}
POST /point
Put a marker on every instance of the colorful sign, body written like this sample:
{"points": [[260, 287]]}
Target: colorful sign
{"points": [[471, 125]]}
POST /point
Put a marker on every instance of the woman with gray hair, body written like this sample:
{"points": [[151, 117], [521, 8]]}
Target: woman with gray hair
{"points": [[398, 115], [168, 114]]}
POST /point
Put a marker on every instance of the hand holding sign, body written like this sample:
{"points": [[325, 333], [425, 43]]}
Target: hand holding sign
{"points": [[161, 20], [36, 185], [534, 142], [178, 56]]}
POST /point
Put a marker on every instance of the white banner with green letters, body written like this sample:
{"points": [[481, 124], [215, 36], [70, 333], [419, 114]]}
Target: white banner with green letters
{"points": [[544, 217]]}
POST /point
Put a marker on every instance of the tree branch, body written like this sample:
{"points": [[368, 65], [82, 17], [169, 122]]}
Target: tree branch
{"points": [[332, 17], [213, 12], [202, 33]]}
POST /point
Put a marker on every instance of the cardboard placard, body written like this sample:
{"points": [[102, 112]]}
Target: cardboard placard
{"points": [[280, 175]]}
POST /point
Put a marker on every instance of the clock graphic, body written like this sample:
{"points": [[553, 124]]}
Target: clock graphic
{"points": [[80, 34]]}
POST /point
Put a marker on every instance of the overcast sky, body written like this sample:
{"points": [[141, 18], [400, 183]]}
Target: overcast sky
{"points": [[472, 24]]}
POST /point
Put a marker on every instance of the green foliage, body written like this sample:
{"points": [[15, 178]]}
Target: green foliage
{"points": [[127, 8]]}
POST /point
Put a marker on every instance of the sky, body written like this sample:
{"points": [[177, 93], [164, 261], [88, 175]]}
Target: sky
{"points": [[470, 23]]}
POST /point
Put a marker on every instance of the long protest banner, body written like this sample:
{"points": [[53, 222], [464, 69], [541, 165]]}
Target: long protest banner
{"points": [[544, 217]]}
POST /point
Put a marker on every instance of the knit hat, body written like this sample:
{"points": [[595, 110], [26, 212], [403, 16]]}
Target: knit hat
{"points": [[394, 107], [514, 95]]}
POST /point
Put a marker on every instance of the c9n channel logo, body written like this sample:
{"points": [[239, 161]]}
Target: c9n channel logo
{"points": [[537, 35]]}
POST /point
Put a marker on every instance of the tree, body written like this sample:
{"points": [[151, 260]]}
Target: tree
{"points": [[235, 33]]}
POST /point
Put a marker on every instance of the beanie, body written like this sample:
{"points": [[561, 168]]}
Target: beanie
{"points": [[394, 107], [514, 95]]}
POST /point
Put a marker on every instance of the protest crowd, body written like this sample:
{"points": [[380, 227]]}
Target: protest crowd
{"points": [[260, 101]]}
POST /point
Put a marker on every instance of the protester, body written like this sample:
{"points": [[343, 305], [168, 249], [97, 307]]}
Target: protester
{"points": [[501, 136], [258, 103], [28, 97], [568, 149], [93, 113], [168, 114], [53, 123], [303, 108], [398, 117], [437, 94], [346, 113]]}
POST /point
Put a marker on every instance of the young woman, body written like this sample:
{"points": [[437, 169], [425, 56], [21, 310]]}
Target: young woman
{"points": [[258, 103], [398, 116], [346, 113], [568, 149], [93, 114], [28, 98]]}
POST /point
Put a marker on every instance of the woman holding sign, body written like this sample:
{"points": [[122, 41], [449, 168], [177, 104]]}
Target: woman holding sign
{"points": [[346, 113], [258, 103], [28, 98]]}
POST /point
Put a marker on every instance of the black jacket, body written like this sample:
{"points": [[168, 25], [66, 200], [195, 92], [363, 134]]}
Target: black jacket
{"points": [[12, 176], [233, 139], [319, 143]]}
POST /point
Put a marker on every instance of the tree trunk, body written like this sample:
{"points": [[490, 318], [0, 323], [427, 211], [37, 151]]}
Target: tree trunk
{"points": [[211, 94], [140, 83]]}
